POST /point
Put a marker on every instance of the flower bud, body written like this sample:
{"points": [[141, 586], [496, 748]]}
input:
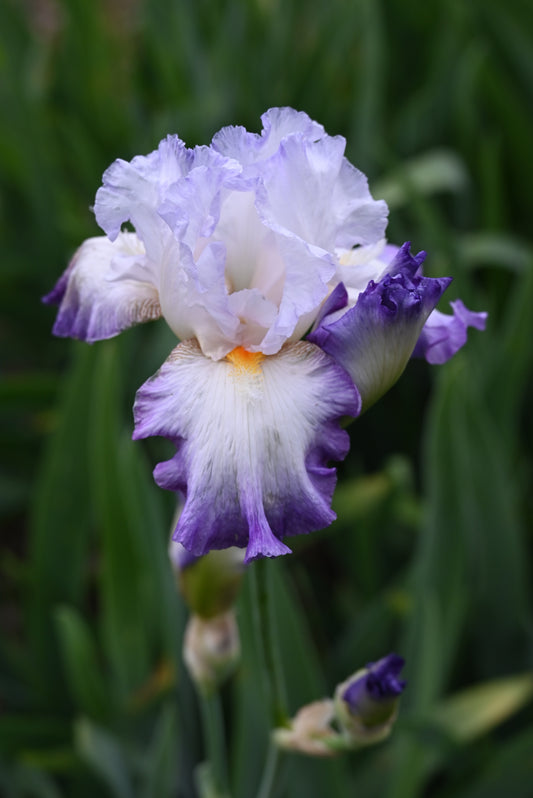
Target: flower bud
{"points": [[209, 584], [362, 713], [366, 704], [211, 649]]}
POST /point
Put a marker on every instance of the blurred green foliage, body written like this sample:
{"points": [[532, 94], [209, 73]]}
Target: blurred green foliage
{"points": [[432, 551]]}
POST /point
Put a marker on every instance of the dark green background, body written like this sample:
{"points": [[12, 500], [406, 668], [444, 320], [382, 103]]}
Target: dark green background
{"points": [[431, 555]]}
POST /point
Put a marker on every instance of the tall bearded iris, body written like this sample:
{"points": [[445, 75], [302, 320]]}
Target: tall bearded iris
{"points": [[243, 247]]}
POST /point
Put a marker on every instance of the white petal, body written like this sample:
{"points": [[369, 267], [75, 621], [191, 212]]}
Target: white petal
{"points": [[132, 191], [253, 437]]}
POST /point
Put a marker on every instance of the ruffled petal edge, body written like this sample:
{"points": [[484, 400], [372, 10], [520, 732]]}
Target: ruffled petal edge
{"points": [[444, 334]]}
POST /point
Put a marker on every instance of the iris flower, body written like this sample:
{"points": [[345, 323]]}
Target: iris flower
{"points": [[266, 256]]}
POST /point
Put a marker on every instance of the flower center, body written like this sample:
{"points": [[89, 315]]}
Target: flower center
{"points": [[245, 362]]}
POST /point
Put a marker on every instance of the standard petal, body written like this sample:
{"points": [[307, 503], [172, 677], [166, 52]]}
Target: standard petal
{"points": [[443, 335], [307, 273], [359, 265], [105, 289], [278, 123], [133, 192], [234, 141], [313, 191], [253, 436], [374, 339], [194, 300]]}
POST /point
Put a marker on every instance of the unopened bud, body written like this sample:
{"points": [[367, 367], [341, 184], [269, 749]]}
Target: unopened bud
{"points": [[211, 649], [209, 584], [362, 713], [366, 704]]}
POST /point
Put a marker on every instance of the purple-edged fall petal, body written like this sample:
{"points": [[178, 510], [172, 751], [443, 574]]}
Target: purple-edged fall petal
{"points": [[254, 435], [107, 287]]}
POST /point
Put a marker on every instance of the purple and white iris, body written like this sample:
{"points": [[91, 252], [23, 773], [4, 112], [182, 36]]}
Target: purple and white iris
{"points": [[243, 246]]}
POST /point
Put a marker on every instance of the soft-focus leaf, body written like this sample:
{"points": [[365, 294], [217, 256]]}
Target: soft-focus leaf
{"points": [[122, 566], [476, 710], [161, 774], [24, 781], [495, 249], [83, 671], [426, 174], [60, 522], [31, 731], [138, 588], [508, 368], [508, 771], [104, 754], [303, 683]]}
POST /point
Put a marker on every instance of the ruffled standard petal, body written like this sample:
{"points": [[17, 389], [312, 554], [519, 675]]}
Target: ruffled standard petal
{"points": [[443, 335], [278, 123], [313, 201], [374, 339], [253, 436], [313, 191], [105, 289], [134, 191]]}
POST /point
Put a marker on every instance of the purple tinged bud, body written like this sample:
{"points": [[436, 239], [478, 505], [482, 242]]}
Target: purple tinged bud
{"points": [[362, 713], [379, 683], [367, 702]]}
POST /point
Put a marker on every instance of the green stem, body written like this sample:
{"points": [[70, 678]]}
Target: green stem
{"points": [[213, 728], [269, 658], [270, 772], [268, 640]]}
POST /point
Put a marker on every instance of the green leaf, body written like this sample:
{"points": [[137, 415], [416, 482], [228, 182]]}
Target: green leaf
{"points": [[140, 622], [495, 249], [25, 781], [124, 619], [438, 170], [104, 754], [507, 772], [303, 680], [83, 671], [161, 772], [507, 368], [478, 709], [18, 732], [60, 523]]}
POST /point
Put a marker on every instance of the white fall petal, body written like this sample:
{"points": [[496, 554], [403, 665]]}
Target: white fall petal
{"points": [[253, 434]]}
